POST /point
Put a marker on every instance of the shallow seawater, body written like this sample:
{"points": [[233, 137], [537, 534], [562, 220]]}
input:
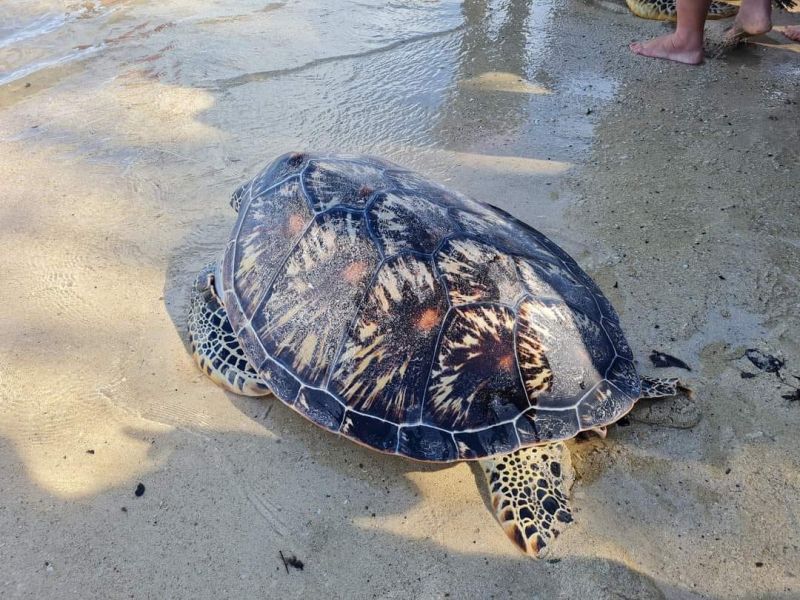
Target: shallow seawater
{"points": [[396, 78]]}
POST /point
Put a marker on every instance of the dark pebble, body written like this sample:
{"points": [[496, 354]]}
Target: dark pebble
{"points": [[90, 452], [746, 375], [139, 490]]}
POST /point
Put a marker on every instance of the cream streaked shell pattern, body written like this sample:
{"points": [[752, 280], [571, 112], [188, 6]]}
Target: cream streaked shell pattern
{"points": [[413, 319]]}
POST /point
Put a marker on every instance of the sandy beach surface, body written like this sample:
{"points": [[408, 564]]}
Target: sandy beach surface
{"points": [[124, 127]]}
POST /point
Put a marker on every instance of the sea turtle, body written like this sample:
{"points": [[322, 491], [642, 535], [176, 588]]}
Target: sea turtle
{"points": [[667, 10], [418, 322]]}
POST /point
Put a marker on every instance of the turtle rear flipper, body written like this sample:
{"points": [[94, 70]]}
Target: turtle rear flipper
{"points": [[214, 345], [666, 10], [530, 494]]}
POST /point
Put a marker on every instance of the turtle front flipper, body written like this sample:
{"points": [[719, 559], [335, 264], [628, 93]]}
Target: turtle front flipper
{"points": [[666, 10], [661, 387], [530, 494], [214, 344]]}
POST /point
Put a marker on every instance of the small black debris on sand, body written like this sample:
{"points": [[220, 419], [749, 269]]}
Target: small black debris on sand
{"points": [[291, 561], [661, 360], [139, 492], [792, 396], [90, 452], [765, 362], [746, 375]]}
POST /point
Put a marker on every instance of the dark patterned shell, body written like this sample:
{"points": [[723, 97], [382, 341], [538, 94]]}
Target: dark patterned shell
{"points": [[414, 320]]}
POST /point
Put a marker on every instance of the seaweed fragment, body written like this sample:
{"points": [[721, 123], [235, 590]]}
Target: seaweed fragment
{"points": [[291, 561], [765, 362]]}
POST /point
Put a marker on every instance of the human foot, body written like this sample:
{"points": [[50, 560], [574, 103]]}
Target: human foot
{"points": [[671, 47], [792, 32], [754, 18]]}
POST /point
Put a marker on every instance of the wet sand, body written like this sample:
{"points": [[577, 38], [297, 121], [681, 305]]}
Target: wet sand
{"points": [[124, 127]]}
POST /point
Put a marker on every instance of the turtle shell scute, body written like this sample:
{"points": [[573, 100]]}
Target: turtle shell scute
{"points": [[427, 443], [371, 431], [321, 407]]}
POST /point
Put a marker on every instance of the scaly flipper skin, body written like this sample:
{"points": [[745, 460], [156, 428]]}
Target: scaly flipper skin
{"points": [[214, 345], [655, 387], [666, 10], [530, 494]]}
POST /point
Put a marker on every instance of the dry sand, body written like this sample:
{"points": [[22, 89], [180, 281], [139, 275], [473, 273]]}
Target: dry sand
{"points": [[675, 187]]}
